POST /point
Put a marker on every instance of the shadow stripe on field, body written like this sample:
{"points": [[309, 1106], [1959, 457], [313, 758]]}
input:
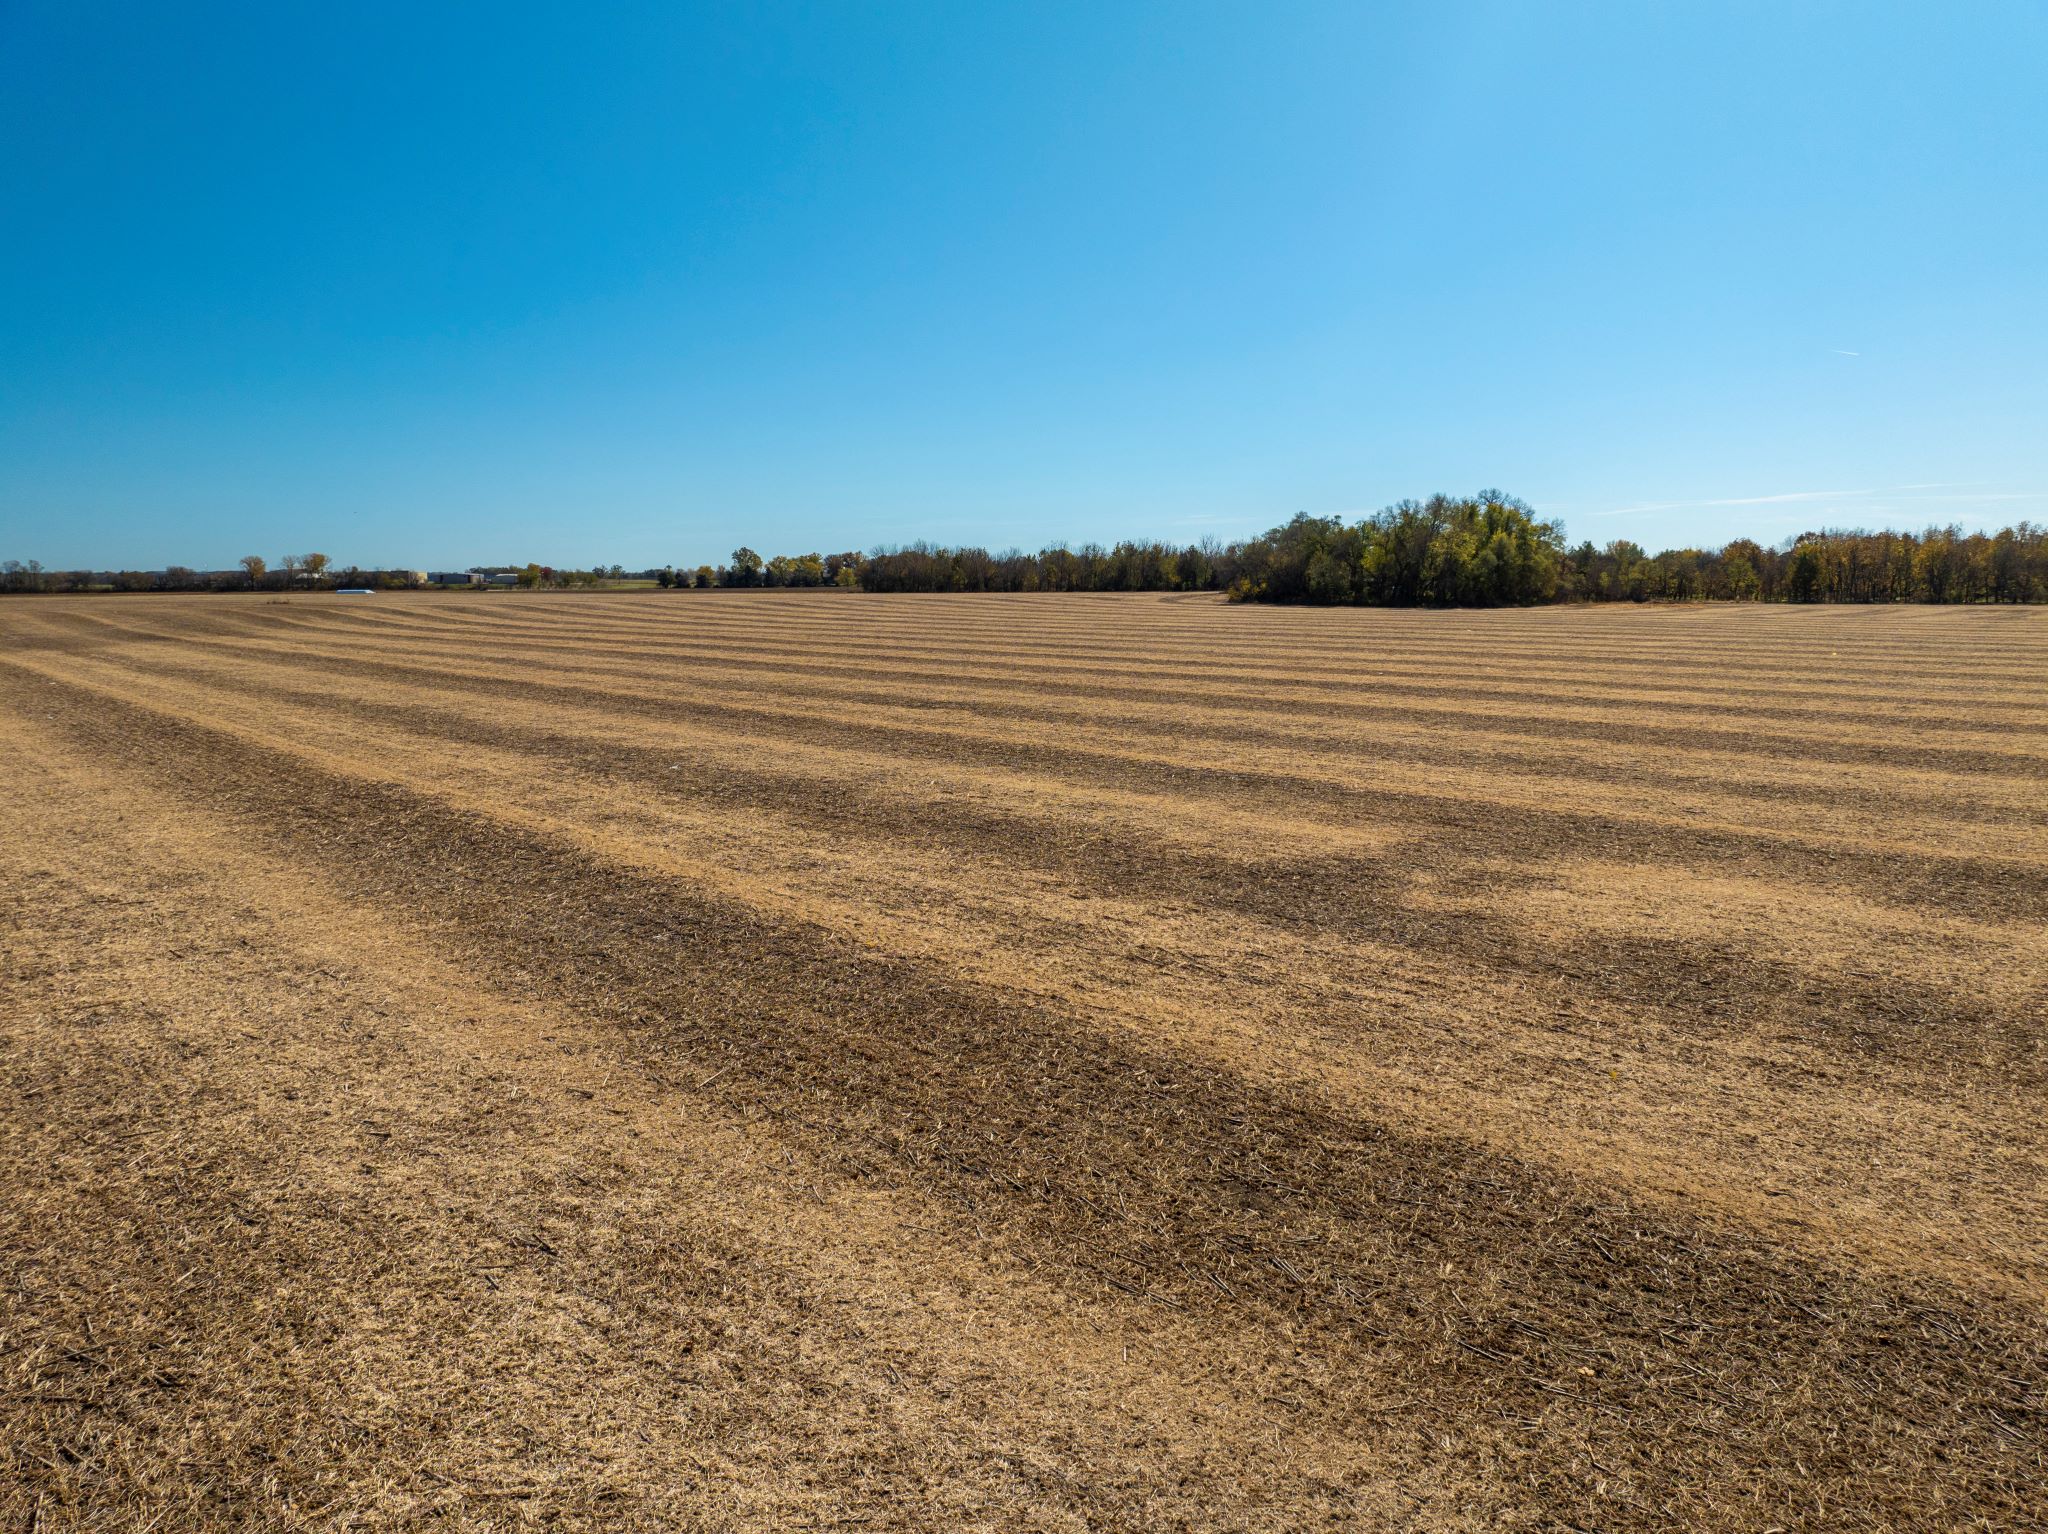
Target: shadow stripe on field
{"points": [[1969, 746], [1725, 1379], [1983, 886], [1716, 992]]}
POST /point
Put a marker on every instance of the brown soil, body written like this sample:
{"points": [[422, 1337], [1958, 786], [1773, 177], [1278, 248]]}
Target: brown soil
{"points": [[793, 1061]]}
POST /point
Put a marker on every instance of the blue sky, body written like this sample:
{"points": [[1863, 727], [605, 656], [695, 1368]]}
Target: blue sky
{"points": [[435, 284]]}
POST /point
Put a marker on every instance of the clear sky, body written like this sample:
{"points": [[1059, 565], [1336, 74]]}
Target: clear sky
{"points": [[438, 284]]}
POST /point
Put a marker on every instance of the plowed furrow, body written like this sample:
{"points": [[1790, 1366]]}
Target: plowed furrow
{"points": [[1971, 788], [1365, 690], [1457, 1276], [1914, 1164], [1714, 991], [772, 1060], [1510, 818]]}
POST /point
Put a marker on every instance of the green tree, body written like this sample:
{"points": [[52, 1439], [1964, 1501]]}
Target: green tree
{"points": [[1743, 581], [1802, 576]]}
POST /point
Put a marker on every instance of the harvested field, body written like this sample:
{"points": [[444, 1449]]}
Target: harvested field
{"points": [[808, 1060]]}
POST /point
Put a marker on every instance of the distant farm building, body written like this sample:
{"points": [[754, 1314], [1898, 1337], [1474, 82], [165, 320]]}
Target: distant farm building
{"points": [[456, 578]]}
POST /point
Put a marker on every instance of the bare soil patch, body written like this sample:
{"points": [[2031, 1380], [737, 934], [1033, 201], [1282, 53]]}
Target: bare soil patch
{"points": [[807, 1060]]}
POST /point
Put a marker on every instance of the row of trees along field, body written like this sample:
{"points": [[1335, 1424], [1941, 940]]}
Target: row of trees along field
{"points": [[925, 567], [750, 569], [293, 572], [1486, 550], [252, 572], [1491, 550]]}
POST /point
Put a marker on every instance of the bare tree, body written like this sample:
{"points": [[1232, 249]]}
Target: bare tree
{"points": [[254, 567], [16, 576], [291, 564]]}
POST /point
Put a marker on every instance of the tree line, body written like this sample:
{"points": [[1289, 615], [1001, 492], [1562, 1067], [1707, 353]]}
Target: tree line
{"points": [[1486, 550], [927, 567], [292, 572], [251, 573], [1491, 550]]}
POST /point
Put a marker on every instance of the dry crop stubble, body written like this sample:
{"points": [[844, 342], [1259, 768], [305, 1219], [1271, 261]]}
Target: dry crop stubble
{"points": [[1230, 1068]]}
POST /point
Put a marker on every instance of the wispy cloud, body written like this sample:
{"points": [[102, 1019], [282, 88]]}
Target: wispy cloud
{"points": [[1735, 500], [1840, 353], [1790, 495], [1936, 492]]}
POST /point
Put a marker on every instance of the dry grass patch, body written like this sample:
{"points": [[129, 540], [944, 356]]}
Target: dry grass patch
{"points": [[790, 1061]]}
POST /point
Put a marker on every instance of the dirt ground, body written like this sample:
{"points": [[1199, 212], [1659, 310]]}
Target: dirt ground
{"points": [[734, 1061]]}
